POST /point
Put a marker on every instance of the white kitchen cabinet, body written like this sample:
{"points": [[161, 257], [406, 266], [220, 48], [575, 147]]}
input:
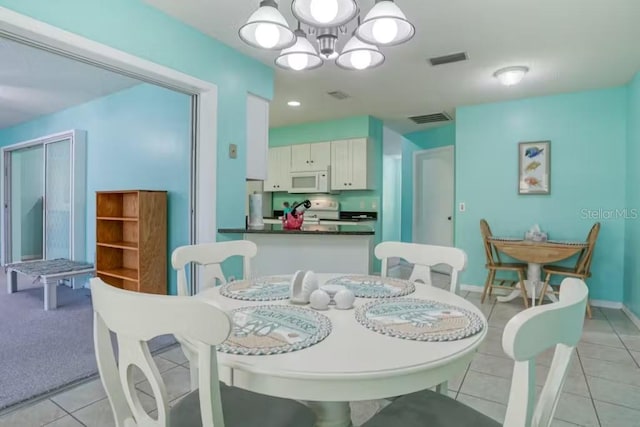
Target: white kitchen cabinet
{"points": [[279, 169], [310, 157], [257, 137], [352, 164]]}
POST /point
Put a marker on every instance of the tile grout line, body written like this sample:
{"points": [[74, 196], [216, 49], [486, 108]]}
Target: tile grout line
{"points": [[621, 340], [584, 374], [65, 411]]}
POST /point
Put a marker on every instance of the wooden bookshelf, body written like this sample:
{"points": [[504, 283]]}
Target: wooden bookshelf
{"points": [[131, 239]]}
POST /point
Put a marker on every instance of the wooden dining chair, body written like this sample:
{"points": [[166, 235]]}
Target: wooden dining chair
{"points": [[495, 264], [423, 258], [135, 318], [525, 336], [582, 269], [209, 256]]}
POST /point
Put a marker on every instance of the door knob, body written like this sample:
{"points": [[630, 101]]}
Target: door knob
{"points": [[449, 218]]}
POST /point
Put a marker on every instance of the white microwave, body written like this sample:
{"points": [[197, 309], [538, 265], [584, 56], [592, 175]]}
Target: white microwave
{"points": [[310, 182]]}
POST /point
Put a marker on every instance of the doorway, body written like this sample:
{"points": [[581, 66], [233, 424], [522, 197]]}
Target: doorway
{"points": [[433, 196]]}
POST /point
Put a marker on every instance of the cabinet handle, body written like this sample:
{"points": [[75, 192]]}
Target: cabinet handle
{"points": [[345, 183], [311, 161], [307, 161]]}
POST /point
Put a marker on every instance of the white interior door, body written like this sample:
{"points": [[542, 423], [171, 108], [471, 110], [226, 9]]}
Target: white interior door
{"points": [[433, 201]]}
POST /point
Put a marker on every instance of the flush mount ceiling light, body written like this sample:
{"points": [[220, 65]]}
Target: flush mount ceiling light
{"points": [[327, 21], [510, 76], [301, 56], [266, 28], [293, 103]]}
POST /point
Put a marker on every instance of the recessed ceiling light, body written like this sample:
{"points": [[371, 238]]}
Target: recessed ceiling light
{"points": [[510, 76], [293, 103]]}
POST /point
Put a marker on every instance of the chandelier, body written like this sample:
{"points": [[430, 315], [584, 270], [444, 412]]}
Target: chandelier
{"points": [[327, 21]]}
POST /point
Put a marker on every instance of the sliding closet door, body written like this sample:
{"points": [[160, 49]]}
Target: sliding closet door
{"points": [[58, 200], [26, 188]]}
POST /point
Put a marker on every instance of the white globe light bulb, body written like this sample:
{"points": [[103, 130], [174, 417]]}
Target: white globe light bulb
{"points": [[298, 61], [267, 35], [324, 11], [361, 59], [384, 30]]}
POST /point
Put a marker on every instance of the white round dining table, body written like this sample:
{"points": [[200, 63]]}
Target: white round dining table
{"points": [[353, 363]]}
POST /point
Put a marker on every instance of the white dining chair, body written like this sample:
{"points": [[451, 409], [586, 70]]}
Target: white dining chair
{"points": [[209, 256], [527, 334], [135, 318], [423, 258]]}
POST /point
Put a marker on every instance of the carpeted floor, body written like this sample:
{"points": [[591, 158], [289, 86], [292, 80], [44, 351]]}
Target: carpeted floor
{"points": [[41, 351]]}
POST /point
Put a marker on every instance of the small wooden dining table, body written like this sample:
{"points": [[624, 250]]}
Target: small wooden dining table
{"points": [[535, 254]]}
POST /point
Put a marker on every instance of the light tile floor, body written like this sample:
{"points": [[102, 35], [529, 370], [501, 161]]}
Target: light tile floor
{"points": [[602, 389]]}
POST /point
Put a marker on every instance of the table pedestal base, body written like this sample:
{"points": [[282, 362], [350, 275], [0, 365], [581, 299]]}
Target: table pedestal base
{"points": [[533, 285], [331, 414]]}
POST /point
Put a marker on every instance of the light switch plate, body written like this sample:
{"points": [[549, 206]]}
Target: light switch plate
{"points": [[233, 151], [462, 207]]}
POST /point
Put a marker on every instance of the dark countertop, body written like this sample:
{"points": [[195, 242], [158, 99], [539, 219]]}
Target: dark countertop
{"points": [[332, 230]]}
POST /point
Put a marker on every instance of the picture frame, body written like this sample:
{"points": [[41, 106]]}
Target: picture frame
{"points": [[534, 167]]}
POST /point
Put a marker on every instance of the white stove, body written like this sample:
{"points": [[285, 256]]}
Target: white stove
{"points": [[322, 209]]}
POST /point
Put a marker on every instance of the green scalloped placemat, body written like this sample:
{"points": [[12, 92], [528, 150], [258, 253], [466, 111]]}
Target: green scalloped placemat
{"points": [[374, 286], [418, 319], [274, 329]]}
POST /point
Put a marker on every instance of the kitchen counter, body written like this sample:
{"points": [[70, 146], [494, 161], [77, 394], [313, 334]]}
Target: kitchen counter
{"points": [[316, 229], [317, 247]]}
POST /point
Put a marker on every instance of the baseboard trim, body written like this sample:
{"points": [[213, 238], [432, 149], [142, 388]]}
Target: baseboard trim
{"points": [[631, 315], [605, 304], [471, 288]]}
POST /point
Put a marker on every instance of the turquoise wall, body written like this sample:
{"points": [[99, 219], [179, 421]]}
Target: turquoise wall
{"points": [[632, 230], [423, 140], [587, 131], [351, 127], [138, 138]]}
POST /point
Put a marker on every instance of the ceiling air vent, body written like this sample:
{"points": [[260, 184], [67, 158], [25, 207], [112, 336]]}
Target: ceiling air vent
{"points": [[338, 94], [448, 59], [431, 118]]}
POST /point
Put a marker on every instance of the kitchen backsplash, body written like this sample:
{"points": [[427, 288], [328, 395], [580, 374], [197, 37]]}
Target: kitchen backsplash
{"points": [[364, 201]]}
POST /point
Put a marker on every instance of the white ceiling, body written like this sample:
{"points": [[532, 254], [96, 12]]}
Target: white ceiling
{"points": [[569, 45], [34, 83]]}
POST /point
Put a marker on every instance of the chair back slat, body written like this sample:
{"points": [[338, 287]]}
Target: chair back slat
{"points": [[135, 318], [210, 256], [485, 231], [583, 266], [517, 341], [423, 257]]}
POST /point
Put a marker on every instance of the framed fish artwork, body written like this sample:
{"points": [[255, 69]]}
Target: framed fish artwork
{"points": [[534, 167]]}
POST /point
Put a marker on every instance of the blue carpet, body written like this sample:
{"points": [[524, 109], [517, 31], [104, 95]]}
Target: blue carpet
{"points": [[41, 351]]}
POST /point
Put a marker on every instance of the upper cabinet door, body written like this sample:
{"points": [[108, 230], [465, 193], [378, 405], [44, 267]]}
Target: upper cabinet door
{"points": [[279, 169], [320, 155], [340, 165], [359, 164], [257, 137], [300, 158]]}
